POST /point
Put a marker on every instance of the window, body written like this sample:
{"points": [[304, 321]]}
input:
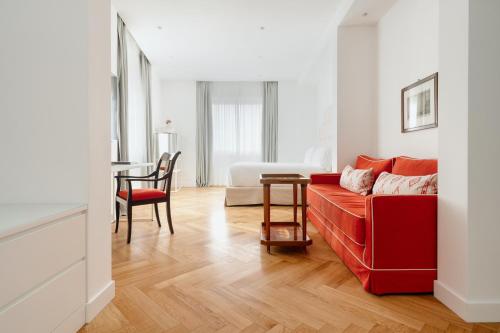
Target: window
{"points": [[236, 126]]}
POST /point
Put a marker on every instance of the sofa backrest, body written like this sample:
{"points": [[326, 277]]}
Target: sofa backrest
{"points": [[378, 165], [409, 166]]}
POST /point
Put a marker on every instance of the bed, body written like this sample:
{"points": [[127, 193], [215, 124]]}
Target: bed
{"points": [[244, 186]]}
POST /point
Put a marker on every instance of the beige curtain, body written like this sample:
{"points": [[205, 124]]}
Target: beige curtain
{"points": [[203, 133], [122, 100], [270, 122], [146, 89]]}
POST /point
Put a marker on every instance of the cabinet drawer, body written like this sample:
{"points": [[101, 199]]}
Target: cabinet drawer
{"points": [[35, 256], [44, 308]]}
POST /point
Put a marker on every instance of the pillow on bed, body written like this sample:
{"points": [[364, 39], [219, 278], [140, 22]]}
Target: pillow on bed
{"points": [[321, 158], [308, 155]]}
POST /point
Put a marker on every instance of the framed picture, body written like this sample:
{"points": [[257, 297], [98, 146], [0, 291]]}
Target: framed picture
{"points": [[419, 105]]}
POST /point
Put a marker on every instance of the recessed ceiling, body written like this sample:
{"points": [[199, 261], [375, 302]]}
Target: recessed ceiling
{"points": [[367, 12], [227, 40]]}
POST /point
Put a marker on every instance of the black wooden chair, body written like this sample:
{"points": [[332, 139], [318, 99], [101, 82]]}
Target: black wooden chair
{"points": [[161, 180]]}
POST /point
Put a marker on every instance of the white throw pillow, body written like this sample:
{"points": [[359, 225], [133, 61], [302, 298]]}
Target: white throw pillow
{"points": [[388, 183], [357, 180]]}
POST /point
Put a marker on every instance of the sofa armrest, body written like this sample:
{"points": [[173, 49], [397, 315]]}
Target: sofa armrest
{"points": [[325, 178], [401, 232]]}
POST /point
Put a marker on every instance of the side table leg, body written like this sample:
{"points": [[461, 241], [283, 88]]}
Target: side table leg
{"points": [[295, 211], [303, 188], [295, 202], [267, 214]]}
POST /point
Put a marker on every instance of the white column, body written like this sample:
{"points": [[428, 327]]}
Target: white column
{"points": [[356, 93], [100, 287], [469, 153]]}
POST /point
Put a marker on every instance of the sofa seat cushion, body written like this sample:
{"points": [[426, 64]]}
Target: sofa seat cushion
{"points": [[335, 189], [344, 209]]}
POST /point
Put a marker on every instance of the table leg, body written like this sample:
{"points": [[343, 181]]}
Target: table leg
{"points": [[267, 213], [295, 202], [295, 211], [303, 193]]}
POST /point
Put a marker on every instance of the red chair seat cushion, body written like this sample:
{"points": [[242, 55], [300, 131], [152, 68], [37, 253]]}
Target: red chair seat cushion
{"points": [[345, 209], [143, 194]]}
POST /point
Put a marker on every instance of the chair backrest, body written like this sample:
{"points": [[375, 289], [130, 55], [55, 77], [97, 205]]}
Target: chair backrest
{"points": [[165, 168], [162, 165]]}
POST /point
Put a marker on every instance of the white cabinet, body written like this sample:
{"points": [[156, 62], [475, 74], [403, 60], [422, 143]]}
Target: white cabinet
{"points": [[42, 268], [49, 305]]}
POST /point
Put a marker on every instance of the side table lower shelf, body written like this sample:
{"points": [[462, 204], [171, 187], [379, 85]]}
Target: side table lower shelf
{"points": [[284, 234]]}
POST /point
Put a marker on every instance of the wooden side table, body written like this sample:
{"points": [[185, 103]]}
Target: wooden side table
{"points": [[284, 233]]}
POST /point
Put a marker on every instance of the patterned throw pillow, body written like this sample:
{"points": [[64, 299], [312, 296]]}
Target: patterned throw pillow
{"points": [[357, 180], [388, 183]]}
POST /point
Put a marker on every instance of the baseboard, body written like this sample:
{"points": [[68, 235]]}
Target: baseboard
{"points": [[472, 311], [99, 301], [73, 323], [450, 298]]}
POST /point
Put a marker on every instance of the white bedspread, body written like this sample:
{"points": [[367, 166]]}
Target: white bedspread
{"points": [[248, 173]]}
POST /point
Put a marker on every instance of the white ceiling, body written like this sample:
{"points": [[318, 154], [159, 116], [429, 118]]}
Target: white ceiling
{"points": [[222, 39]]}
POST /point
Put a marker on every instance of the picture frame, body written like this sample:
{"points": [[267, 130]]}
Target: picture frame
{"points": [[419, 105]]}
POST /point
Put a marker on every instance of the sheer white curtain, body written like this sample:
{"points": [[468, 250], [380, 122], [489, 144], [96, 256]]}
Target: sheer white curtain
{"points": [[137, 144], [236, 126]]}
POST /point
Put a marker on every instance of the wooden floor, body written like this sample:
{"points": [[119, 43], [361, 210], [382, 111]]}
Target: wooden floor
{"points": [[213, 276]]}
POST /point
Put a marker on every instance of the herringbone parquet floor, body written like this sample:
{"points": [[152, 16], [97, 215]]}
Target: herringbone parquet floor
{"points": [[213, 276]]}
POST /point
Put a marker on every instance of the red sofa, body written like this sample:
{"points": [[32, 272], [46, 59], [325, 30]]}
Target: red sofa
{"points": [[387, 241]]}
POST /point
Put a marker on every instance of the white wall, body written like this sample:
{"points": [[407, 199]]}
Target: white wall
{"points": [[54, 132], [114, 39], [44, 104], [484, 118], [356, 93], [468, 228], [407, 51], [297, 116], [322, 78], [453, 155], [344, 81], [358, 75], [322, 74], [296, 123], [178, 100], [156, 95]]}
